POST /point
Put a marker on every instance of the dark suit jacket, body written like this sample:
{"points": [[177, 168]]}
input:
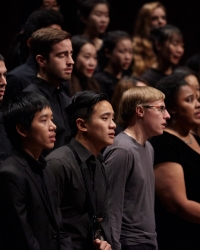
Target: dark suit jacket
{"points": [[27, 220]]}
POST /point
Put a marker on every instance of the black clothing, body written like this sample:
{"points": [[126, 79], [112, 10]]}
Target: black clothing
{"points": [[175, 233], [139, 247], [152, 76], [107, 82], [30, 218], [72, 193], [194, 63], [20, 77], [58, 102], [5, 146]]}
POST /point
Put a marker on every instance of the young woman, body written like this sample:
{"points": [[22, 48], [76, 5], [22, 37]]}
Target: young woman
{"points": [[169, 48], [176, 166], [150, 15], [115, 58], [94, 15], [85, 62]]}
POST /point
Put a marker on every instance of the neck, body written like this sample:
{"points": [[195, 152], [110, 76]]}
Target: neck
{"points": [[34, 152], [137, 132], [43, 75], [164, 67], [113, 71], [92, 147], [92, 35]]}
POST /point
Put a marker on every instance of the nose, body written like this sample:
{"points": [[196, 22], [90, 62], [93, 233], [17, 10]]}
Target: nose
{"points": [[92, 62], [52, 126], [3, 80], [70, 60], [180, 49], [112, 125], [166, 114]]}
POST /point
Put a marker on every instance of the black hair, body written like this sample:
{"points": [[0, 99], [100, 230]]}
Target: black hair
{"points": [[78, 42], [42, 19], [109, 43], [184, 71], [170, 86], [1, 58], [21, 109], [81, 106], [160, 35], [86, 6]]}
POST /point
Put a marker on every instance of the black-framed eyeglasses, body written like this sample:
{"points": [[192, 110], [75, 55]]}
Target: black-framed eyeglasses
{"points": [[162, 109]]}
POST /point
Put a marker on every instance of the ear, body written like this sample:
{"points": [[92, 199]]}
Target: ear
{"points": [[41, 61], [139, 111], [28, 42], [107, 53], [81, 125], [21, 130], [83, 19]]}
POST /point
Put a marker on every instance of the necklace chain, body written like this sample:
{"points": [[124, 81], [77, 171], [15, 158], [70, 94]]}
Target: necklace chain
{"points": [[190, 141]]}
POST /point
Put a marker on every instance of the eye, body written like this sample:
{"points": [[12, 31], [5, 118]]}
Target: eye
{"points": [[190, 99], [105, 118]]}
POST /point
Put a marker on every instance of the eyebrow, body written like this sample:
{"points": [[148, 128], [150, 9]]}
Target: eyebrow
{"points": [[108, 113]]}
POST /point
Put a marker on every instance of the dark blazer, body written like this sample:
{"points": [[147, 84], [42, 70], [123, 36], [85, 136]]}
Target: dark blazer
{"points": [[28, 220]]}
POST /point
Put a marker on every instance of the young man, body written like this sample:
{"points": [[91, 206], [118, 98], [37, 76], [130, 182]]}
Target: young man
{"points": [[29, 214], [52, 50], [129, 169], [92, 128]]}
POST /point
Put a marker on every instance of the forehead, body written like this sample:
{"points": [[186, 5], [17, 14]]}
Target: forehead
{"points": [[185, 91], [100, 7], [64, 45], [158, 11], [124, 42], [88, 48], [2, 67], [44, 112], [176, 37], [102, 107], [158, 103]]}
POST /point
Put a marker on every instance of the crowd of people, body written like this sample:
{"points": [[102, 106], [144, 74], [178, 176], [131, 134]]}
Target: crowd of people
{"points": [[99, 134]]}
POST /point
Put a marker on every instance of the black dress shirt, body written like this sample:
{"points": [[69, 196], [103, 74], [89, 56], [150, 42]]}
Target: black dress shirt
{"points": [[72, 193]]}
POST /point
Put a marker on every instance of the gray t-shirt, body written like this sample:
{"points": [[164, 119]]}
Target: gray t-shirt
{"points": [[129, 170]]}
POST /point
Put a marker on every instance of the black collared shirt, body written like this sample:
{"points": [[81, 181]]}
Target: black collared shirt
{"points": [[72, 193], [58, 101]]}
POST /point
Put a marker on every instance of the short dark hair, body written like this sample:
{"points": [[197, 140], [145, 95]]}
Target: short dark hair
{"points": [[21, 109], [41, 19], [160, 35], [170, 86], [43, 39], [87, 6], [81, 106], [1, 58]]}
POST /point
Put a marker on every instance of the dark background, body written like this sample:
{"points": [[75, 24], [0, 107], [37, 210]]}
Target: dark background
{"points": [[182, 13]]}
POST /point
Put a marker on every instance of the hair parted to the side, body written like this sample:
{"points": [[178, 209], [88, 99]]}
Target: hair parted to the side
{"points": [[1, 58], [43, 39], [137, 96], [81, 106], [21, 109]]}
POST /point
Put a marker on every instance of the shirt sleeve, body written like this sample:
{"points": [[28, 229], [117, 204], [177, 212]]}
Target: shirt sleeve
{"points": [[118, 163]]}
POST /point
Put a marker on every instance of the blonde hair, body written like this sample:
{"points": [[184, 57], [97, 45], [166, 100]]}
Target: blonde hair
{"points": [[137, 96], [143, 54]]}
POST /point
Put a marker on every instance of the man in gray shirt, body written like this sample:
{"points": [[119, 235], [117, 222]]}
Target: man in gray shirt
{"points": [[129, 169]]}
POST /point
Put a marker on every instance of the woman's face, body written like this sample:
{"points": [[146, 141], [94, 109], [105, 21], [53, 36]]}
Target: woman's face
{"points": [[86, 60], [187, 108], [172, 50], [158, 18], [193, 81], [98, 19], [122, 55]]}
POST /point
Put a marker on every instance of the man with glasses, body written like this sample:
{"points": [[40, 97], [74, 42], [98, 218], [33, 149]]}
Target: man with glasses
{"points": [[129, 169]]}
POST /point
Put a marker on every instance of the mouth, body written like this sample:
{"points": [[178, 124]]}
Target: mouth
{"points": [[112, 135], [2, 92], [52, 138], [164, 125], [90, 71], [197, 114], [68, 71]]}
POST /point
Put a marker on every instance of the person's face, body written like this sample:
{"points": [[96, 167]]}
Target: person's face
{"points": [[172, 50], [154, 121], [101, 127], [122, 55], [193, 81], [187, 108], [158, 18], [60, 63], [41, 134], [98, 19], [86, 60], [140, 84], [50, 4], [3, 83]]}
